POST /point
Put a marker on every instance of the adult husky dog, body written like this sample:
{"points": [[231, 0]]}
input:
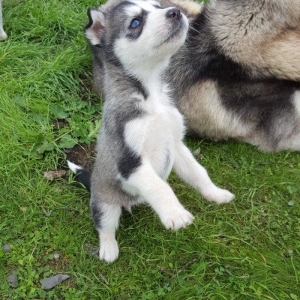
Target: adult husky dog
{"points": [[238, 73], [141, 138]]}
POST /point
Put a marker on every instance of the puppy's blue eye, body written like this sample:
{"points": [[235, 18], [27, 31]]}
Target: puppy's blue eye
{"points": [[135, 23]]}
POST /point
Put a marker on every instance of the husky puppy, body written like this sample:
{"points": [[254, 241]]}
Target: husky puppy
{"points": [[3, 35], [238, 73], [141, 138]]}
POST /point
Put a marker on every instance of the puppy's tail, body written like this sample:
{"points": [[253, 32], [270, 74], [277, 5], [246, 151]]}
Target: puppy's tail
{"points": [[83, 175]]}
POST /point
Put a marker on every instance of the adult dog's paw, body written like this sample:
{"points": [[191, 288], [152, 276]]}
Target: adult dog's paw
{"points": [[176, 218]]}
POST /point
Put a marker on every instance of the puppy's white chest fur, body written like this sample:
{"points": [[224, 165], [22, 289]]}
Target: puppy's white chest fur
{"points": [[155, 135]]}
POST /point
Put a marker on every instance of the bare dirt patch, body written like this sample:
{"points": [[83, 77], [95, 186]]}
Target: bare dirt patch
{"points": [[83, 155]]}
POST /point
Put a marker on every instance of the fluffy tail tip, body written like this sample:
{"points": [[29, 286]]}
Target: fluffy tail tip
{"points": [[74, 168]]}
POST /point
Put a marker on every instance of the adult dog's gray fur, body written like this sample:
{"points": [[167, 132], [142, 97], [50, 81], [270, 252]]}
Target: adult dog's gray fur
{"points": [[238, 74]]}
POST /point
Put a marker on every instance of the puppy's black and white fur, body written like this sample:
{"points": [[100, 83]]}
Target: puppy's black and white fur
{"points": [[141, 138]]}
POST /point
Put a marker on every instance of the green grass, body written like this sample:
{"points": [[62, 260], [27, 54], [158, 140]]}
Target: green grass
{"points": [[248, 249]]}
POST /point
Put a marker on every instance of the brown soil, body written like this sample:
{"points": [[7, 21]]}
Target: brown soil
{"points": [[83, 155]]}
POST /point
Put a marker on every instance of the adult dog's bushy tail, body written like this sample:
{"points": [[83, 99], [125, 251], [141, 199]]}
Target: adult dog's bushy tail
{"points": [[83, 175]]}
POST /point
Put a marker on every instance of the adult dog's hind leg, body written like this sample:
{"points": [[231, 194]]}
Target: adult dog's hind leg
{"points": [[106, 219], [192, 172]]}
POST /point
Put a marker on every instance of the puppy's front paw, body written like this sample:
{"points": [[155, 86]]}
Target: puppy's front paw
{"points": [[176, 218], [219, 196], [109, 250]]}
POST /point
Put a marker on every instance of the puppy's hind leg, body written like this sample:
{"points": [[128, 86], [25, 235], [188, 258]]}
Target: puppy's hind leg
{"points": [[194, 174], [106, 219]]}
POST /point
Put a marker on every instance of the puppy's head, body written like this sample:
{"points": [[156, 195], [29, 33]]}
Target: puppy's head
{"points": [[136, 32]]}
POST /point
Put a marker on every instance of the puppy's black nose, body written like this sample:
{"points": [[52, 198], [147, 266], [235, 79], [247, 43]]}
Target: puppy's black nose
{"points": [[174, 13]]}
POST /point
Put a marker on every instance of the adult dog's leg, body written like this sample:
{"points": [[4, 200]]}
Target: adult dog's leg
{"points": [[106, 219], [3, 35], [159, 195], [193, 173]]}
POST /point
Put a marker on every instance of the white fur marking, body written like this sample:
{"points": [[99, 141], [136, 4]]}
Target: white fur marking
{"points": [[297, 102], [193, 173], [159, 195], [109, 250], [74, 168]]}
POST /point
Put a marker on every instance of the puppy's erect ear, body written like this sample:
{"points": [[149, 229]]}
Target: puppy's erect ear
{"points": [[95, 28]]}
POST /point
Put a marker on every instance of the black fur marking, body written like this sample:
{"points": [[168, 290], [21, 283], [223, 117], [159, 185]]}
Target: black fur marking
{"points": [[84, 177], [139, 86], [212, 63], [261, 103], [245, 96], [128, 162], [110, 55], [123, 118], [97, 214], [97, 55], [90, 23]]}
